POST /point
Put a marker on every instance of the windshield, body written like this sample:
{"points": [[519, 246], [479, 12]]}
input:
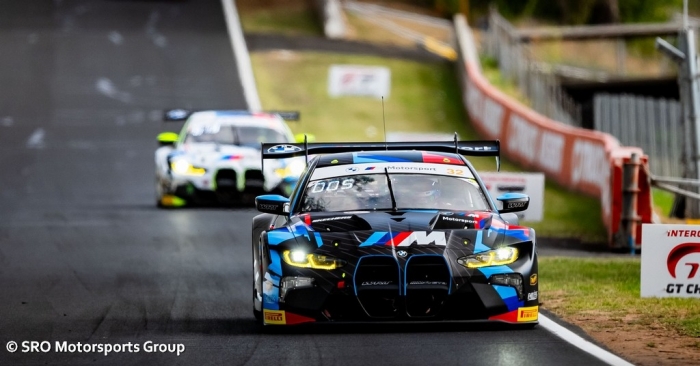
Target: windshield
{"points": [[249, 136], [411, 191]]}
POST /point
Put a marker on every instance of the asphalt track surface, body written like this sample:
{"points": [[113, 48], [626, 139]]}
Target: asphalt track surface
{"points": [[84, 254]]}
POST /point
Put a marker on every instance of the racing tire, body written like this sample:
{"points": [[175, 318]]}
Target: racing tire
{"points": [[257, 284], [260, 224], [159, 194]]}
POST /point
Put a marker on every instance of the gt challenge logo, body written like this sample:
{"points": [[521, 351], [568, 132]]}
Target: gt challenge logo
{"points": [[676, 256]]}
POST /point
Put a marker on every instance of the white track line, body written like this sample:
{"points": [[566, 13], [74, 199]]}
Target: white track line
{"points": [[581, 343], [240, 52]]}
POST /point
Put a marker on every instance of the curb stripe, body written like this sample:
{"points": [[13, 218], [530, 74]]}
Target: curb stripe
{"points": [[240, 53]]}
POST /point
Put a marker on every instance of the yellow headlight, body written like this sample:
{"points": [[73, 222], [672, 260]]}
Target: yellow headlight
{"points": [[496, 257], [183, 167], [298, 258]]}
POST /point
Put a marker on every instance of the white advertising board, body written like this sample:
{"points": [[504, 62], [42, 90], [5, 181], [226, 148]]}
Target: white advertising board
{"points": [[531, 184], [670, 261], [372, 81]]}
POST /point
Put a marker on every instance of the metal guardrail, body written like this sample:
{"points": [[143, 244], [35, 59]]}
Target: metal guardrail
{"points": [[665, 184]]}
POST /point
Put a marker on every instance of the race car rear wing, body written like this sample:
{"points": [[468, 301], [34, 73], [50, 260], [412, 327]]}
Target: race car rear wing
{"points": [[179, 114], [467, 148]]}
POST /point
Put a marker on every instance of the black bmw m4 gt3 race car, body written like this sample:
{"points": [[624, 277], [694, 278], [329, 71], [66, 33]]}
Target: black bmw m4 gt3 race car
{"points": [[394, 232]]}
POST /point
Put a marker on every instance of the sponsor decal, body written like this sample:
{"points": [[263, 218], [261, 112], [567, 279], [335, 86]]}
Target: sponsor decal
{"points": [[492, 117], [522, 137], [438, 283], [420, 238], [528, 314], [533, 279], [683, 233], [376, 283], [457, 219], [551, 151], [590, 166], [268, 206], [406, 238], [274, 317], [352, 169], [532, 296], [331, 218], [369, 168], [516, 204], [683, 288], [411, 168], [680, 251]]}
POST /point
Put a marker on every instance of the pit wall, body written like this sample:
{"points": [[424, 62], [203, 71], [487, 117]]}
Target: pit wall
{"points": [[583, 160]]}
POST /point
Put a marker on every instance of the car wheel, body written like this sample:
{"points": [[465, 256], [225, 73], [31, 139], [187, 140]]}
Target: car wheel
{"points": [[257, 285], [159, 193]]}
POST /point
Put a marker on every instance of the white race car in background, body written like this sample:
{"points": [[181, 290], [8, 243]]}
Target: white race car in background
{"points": [[216, 158]]}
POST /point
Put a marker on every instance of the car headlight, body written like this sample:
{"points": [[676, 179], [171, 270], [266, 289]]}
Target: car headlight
{"points": [[300, 258], [496, 257], [293, 169], [183, 167]]}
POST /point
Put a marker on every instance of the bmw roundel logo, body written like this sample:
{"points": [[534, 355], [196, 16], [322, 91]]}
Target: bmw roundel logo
{"points": [[402, 253], [351, 169], [283, 149]]}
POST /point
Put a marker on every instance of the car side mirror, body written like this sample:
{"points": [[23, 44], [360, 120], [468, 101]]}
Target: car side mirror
{"points": [[514, 202], [272, 204], [167, 138]]}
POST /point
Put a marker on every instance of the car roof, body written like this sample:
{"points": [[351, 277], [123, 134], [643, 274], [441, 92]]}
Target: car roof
{"points": [[401, 156]]}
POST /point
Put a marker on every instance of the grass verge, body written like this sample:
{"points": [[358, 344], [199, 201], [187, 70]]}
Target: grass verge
{"points": [[609, 288], [424, 98], [288, 17]]}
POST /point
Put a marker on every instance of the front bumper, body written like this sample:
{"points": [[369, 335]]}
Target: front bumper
{"points": [[230, 181], [424, 286]]}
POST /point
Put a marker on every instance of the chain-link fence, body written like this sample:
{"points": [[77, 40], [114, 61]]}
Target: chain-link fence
{"points": [[655, 125], [536, 80]]}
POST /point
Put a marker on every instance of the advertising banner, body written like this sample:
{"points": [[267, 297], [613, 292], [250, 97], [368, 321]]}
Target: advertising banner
{"points": [[371, 81], [531, 184], [670, 261]]}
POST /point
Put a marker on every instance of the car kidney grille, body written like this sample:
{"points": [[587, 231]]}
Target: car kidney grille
{"points": [[226, 179], [427, 285], [377, 286], [254, 179]]}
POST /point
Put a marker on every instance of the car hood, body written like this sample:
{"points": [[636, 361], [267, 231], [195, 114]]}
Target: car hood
{"points": [[401, 228]]}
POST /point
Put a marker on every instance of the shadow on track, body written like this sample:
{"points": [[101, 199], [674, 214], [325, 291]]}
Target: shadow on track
{"points": [[249, 326]]}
